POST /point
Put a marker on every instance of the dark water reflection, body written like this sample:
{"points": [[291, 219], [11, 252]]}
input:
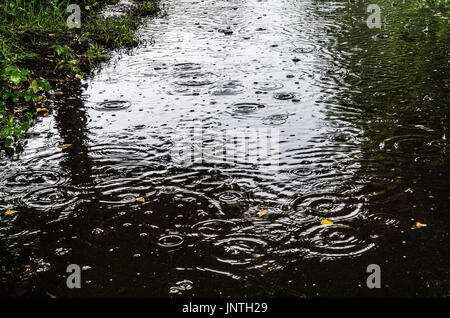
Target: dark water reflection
{"points": [[363, 119]]}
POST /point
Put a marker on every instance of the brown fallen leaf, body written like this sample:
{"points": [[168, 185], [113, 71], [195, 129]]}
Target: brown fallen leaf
{"points": [[65, 146]]}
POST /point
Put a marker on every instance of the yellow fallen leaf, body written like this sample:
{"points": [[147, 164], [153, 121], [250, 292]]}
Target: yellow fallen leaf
{"points": [[51, 34], [40, 97], [60, 93], [424, 128], [27, 266], [326, 222], [262, 212], [44, 111], [9, 212], [19, 110], [65, 146], [78, 76], [141, 200], [418, 225]]}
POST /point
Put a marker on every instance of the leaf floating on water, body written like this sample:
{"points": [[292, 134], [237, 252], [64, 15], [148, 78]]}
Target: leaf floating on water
{"points": [[326, 222], [417, 226], [10, 212], [262, 212], [63, 147], [424, 128], [141, 200]]}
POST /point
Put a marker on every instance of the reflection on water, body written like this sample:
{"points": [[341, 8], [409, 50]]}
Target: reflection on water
{"points": [[363, 119]]}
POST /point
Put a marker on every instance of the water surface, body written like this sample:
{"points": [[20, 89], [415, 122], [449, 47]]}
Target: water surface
{"points": [[362, 116]]}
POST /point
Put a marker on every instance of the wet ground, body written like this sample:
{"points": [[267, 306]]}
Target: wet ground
{"points": [[362, 116]]}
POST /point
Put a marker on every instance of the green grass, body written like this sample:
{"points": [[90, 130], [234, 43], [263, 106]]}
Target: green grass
{"points": [[35, 44]]}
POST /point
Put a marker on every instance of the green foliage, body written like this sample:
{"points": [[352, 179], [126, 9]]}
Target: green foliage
{"points": [[95, 54], [146, 8], [18, 88], [11, 128], [68, 60], [437, 3], [430, 3], [119, 32], [34, 14]]}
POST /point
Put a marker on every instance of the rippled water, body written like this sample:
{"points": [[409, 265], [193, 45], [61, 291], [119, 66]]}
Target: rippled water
{"points": [[362, 116]]}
